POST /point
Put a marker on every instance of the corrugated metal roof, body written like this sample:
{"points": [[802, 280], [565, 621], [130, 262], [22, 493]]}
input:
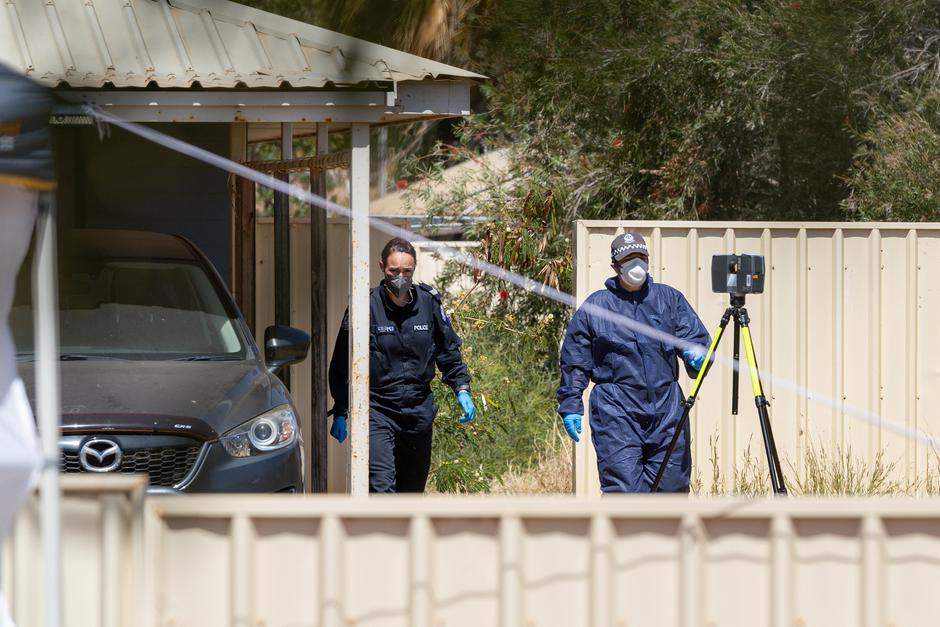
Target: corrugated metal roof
{"points": [[191, 43]]}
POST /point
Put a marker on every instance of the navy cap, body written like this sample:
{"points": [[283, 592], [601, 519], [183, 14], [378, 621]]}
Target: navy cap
{"points": [[627, 244]]}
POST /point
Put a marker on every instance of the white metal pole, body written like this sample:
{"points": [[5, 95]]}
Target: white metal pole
{"points": [[46, 323], [359, 313]]}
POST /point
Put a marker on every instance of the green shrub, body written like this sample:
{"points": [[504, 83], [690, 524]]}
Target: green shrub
{"points": [[897, 172], [513, 361]]}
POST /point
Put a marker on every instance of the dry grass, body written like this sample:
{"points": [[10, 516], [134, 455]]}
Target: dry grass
{"points": [[749, 478], [551, 472], [823, 473]]}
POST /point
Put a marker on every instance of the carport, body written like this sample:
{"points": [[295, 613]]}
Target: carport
{"points": [[222, 76]]}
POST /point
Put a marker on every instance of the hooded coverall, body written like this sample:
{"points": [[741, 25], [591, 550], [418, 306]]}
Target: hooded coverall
{"points": [[405, 343], [636, 402]]}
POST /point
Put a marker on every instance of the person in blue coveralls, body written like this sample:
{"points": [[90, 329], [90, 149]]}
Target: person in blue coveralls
{"points": [[409, 333], [636, 402]]}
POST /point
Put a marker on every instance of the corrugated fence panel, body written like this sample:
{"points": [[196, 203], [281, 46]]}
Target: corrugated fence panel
{"points": [[737, 557], [928, 366], [101, 555], [786, 305], [859, 329], [826, 559], [821, 326], [645, 583], [290, 560], [842, 335], [468, 596], [909, 555], [280, 541], [897, 266], [545, 562], [187, 579], [555, 564], [386, 578], [585, 459]]}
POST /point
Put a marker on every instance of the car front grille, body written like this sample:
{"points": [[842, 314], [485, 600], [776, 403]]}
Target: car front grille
{"points": [[166, 466]]}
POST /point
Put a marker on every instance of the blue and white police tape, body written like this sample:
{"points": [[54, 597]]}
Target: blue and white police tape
{"points": [[499, 272]]}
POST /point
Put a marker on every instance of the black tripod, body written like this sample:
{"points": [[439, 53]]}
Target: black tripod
{"points": [[741, 330]]}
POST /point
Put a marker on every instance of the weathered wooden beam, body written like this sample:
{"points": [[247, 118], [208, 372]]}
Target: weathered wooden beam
{"points": [[329, 161], [243, 229], [282, 245], [244, 239], [319, 342]]}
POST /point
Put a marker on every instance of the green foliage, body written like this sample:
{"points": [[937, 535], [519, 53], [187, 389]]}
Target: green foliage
{"points": [[513, 363], [713, 109], [898, 169]]}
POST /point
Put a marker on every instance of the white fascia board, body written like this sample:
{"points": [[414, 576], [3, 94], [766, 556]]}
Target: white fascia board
{"points": [[450, 98], [340, 115], [416, 101], [196, 98]]}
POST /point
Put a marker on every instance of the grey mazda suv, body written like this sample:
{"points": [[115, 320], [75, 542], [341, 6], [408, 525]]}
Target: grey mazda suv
{"points": [[160, 374]]}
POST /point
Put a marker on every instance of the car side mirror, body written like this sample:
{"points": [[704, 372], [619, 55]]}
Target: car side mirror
{"points": [[284, 346]]}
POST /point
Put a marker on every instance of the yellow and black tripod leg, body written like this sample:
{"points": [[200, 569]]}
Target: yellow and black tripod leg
{"points": [[690, 401], [770, 447]]}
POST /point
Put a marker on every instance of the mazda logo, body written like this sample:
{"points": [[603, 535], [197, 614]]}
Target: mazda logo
{"points": [[100, 455]]}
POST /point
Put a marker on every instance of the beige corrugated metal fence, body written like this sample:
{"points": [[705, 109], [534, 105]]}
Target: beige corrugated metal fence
{"points": [[102, 555], [292, 561], [849, 312]]}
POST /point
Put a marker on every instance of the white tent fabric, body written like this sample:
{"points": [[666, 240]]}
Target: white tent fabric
{"points": [[19, 460]]}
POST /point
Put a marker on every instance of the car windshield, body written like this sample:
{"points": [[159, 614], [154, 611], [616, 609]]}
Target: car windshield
{"points": [[134, 309]]}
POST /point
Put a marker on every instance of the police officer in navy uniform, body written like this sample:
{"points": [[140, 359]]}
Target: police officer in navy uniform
{"points": [[636, 402], [409, 333]]}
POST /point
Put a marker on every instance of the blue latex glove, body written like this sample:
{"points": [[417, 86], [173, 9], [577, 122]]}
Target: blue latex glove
{"points": [[694, 359], [573, 426], [466, 403], [338, 430]]}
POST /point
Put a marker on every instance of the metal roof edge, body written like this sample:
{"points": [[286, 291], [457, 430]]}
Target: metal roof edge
{"points": [[313, 36], [198, 44]]}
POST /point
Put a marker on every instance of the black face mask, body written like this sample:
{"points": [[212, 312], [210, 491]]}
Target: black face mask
{"points": [[398, 285]]}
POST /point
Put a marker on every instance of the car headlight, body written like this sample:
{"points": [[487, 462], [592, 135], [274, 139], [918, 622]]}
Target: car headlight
{"points": [[268, 432]]}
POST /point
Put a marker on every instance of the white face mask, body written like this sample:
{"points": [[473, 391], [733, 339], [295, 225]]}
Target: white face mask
{"points": [[634, 272]]}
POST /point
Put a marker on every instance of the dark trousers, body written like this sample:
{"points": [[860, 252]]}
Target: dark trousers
{"points": [[398, 461], [631, 448], [633, 468]]}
